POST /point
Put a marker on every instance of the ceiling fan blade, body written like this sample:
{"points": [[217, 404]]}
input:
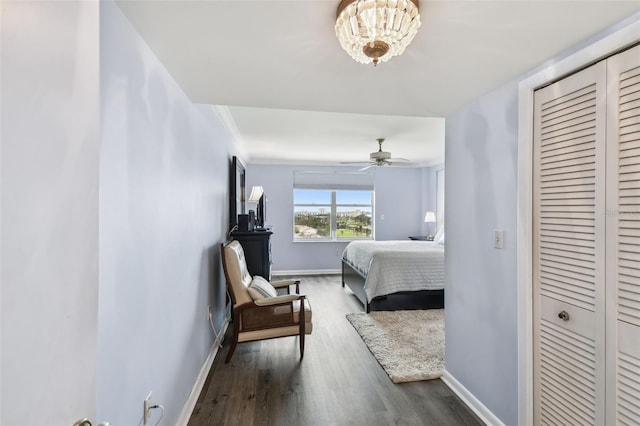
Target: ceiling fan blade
{"points": [[402, 164], [400, 160], [368, 167]]}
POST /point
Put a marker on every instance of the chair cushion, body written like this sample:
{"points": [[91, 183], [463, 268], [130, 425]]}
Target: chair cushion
{"points": [[261, 288], [236, 272], [307, 311], [296, 310]]}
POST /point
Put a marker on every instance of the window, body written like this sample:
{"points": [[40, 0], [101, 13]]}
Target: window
{"points": [[332, 207], [353, 214], [312, 213]]}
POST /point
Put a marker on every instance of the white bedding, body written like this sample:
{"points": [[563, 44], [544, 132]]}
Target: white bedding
{"points": [[393, 266]]}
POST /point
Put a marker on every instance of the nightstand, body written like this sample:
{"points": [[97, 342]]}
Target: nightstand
{"points": [[422, 238]]}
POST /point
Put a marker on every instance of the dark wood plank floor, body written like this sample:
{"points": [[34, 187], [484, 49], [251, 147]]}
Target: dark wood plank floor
{"points": [[338, 382]]}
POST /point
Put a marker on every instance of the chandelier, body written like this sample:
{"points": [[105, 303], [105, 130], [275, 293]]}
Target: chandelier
{"points": [[376, 30]]}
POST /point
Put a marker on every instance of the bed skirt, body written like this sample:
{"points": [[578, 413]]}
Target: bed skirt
{"points": [[421, 299]]}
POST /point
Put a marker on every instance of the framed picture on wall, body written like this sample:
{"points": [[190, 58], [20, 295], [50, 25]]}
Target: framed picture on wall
{"points": [[237, 196]]}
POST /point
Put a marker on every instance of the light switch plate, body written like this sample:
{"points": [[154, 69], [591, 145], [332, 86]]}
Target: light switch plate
{"points": [[498, 239]]}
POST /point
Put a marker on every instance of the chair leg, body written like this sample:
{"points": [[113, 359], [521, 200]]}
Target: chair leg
{"points": [[234, 341], [232, 349], [302, 327]]}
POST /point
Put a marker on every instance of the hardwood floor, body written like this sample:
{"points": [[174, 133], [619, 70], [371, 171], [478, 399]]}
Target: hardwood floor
{"points": [[338, 382]]}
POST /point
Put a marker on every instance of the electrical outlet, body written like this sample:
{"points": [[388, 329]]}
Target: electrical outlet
{"points": [[147, 409]]}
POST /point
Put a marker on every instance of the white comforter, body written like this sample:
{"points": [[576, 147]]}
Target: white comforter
{"points": [[393, 266]]}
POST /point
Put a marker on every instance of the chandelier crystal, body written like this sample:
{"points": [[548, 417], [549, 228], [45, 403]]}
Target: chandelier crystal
{"points": [[376, 30]]}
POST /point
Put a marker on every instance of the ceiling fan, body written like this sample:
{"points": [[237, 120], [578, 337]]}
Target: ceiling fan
{"points": [[381, 158]]}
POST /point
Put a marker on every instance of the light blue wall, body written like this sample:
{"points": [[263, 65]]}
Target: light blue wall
{"points": [[430, 191], [163, 212], [480, 196], [481, 282], [400, 198]]}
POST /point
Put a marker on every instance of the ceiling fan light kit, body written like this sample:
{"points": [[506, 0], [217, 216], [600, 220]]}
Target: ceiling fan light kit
{"points": [[376, 30]]}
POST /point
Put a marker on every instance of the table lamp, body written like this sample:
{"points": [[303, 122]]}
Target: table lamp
{"points": [[430, 217]]}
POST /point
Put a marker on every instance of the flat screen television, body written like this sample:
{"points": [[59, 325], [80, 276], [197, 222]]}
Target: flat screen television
{"points": [[261, 212]]}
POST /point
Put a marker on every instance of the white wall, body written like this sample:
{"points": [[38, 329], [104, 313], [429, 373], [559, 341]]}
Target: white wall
{"points": [[164, 167], [49, 215], [399, 197]]}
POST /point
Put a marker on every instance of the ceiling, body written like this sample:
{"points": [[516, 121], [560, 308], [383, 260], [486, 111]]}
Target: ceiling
{"points": [[285, 88]]}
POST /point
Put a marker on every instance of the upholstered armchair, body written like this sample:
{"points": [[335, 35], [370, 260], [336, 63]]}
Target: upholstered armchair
{"points": [[258, 311]]}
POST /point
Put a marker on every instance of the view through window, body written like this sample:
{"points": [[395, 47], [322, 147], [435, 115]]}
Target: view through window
{"points": [[332, 214]]}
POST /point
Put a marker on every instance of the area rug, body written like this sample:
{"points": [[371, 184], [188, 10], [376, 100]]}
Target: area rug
{"points": [[409, 345]]}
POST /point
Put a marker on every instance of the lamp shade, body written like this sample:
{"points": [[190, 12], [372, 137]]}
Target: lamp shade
{"points": [[430, 217], [256, 193]]}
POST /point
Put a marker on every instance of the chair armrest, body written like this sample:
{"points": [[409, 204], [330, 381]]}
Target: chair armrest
{"points": [[278, 300], [286, 283]]}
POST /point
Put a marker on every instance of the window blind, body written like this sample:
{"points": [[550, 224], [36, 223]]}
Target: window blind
{"points": [[354, 181]]}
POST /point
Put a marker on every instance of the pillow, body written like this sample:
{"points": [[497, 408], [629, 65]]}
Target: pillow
{"points": [[439, 238], [261, 288]]}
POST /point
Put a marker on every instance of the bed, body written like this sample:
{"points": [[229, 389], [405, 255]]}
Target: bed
{"points": [[395, 274]]}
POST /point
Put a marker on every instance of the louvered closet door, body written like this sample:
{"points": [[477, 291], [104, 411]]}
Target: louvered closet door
{"points": [[568, 264], [623, 239]]}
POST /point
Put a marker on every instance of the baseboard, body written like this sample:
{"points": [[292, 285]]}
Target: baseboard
{"points": [[190, 404], [309, 272], [472, 402]]}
